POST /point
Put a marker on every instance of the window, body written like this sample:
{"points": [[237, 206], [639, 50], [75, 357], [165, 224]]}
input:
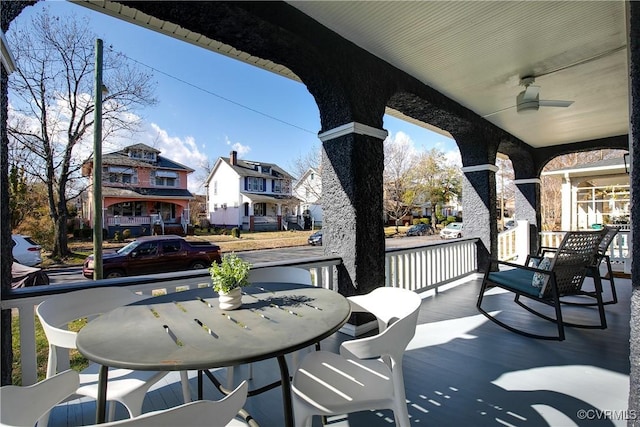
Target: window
{"points": [[215, 188], [277, 186], [255, 183], [165, 178], [259, 209], [121, 176], [143, 155], [147, 249], [170, 247]]}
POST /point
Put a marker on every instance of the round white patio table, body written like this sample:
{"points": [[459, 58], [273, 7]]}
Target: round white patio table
{"points": [[188, 331]]}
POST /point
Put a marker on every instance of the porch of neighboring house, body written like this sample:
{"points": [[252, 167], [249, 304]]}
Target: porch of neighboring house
{"points": [[145, 218], [460, 369]]}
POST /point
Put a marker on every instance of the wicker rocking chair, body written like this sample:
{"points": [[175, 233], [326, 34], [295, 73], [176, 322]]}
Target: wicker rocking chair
{"points": [[549, 280], [601, 257]]}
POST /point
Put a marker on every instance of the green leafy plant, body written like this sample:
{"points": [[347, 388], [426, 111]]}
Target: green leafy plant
{"points": [[231, 273]]}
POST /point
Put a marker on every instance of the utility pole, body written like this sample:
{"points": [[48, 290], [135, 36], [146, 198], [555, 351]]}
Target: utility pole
{"points": [[97, 166]]}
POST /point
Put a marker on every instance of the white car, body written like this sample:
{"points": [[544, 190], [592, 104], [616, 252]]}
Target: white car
{"points": [[453, 230], [26, 251]]}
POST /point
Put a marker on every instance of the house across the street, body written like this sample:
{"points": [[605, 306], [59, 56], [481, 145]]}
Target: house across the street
{"points": [[142, 191], [250, 195]]}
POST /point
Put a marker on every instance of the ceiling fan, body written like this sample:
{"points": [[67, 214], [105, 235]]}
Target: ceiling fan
{"points": [[529, 99]]}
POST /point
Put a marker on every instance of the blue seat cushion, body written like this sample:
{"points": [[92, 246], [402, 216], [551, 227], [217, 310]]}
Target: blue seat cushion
{"points": [[517, 279]]}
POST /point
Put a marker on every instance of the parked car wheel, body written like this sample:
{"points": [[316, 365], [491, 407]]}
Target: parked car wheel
{"points": [[198, 265], [113, 274]]}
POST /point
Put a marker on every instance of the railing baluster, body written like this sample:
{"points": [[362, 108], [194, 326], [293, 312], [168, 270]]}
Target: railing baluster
{"points": [[418, 268]]}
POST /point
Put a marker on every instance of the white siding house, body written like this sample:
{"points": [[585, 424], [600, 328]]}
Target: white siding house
{"points": [[309, 190], [594, 193], [248, 194]]}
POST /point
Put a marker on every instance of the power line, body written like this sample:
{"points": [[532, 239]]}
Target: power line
{"points": [[207, 91]]}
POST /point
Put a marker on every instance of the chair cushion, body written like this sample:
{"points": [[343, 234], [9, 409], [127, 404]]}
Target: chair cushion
{"points": [[539, 280], [336, 385], [517, 279]]}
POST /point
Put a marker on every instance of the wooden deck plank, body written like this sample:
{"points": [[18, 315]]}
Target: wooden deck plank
{"points": [[462, 369]]}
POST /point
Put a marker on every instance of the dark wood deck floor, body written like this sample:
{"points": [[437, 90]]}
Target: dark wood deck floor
{"points": [[462, 370]]}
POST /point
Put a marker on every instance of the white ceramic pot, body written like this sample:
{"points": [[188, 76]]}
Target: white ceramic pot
{"points": [[230, 300]]}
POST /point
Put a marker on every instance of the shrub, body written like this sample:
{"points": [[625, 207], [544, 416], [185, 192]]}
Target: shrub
{"points": [[40, 229], [235, 232], [117, 237], [126, 233]]}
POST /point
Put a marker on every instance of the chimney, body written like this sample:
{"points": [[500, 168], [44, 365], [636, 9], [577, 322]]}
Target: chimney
{"points": [[233, 158]]}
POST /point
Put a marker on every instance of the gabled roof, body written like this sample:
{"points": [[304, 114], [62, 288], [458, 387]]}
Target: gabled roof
{"points": [[305, 175], [121, 158], [251, 168]]}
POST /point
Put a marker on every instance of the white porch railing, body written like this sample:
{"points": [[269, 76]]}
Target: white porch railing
{"points": [[128, 220], [619, 250], [418, 268], [24, 300], [507, 249], [426, 267], [514, 244]]}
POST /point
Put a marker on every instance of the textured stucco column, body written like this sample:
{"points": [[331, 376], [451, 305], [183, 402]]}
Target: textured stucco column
{"points": [[633, 10], [479, 212], [352, 164], [527, 207]]}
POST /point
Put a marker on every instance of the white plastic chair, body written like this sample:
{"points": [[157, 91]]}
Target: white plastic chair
{"points": [[367, 374], [125, 386], [195, 414], [23, 406], [280, 275]]}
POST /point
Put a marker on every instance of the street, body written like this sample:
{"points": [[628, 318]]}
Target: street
{"points": [[74, 274]]}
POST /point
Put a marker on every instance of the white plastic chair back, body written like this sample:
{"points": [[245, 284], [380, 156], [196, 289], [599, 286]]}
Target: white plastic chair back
{"points": [[367, 375], [57, 311], [125, 386], [195, 414], [23, 406], [397, 313], [281, 275]]}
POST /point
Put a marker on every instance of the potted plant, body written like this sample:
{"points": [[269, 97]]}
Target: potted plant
{"points": [[228, 277]]}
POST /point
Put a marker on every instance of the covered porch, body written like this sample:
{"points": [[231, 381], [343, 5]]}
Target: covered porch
{"points": [[461, 369]]}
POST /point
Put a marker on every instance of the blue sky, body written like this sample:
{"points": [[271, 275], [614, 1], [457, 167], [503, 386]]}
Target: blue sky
{"points": [[192, 124]]}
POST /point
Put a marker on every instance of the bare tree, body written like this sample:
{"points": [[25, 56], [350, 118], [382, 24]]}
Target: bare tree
{"points": [[400, 183], [53, 104]]}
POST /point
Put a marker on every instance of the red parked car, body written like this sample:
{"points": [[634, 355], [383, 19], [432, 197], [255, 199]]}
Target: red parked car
{"points": [[155, 254]]}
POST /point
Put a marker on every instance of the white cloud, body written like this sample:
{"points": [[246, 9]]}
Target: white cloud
{"points": [[183, 150], [242, 150], [453, 157]]}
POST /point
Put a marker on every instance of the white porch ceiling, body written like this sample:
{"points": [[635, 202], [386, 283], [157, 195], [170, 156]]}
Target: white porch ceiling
{"points": [[475, 52]]}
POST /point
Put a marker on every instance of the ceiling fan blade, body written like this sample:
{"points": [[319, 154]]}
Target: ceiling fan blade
{"points": [[531, 93], [554, 103], [499, 111]]}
